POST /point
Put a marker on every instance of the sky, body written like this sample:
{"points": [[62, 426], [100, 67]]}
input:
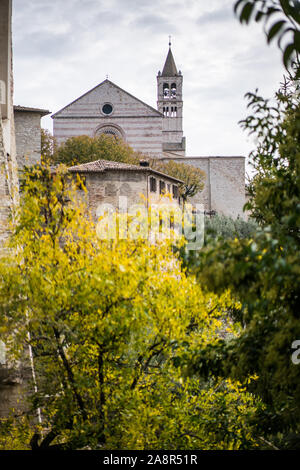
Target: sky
{"points": [[63, 48]]}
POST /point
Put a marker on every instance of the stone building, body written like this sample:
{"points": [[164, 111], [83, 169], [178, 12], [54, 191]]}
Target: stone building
{"points": [[8, 163], [157, 133], [107, 181], [224, 186], [170, 104], [28, 134], [10, 378], [107, 109]]}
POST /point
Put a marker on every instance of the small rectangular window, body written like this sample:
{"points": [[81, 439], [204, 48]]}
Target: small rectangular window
{"points": [[175, 192], [162, 187], [152, 184]]}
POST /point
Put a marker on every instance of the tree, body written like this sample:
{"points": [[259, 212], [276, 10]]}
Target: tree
{"points": [[48, 144], [193, 178], [84, 149], [109, 322], [262, 271], [285, 28], [221, 226]]}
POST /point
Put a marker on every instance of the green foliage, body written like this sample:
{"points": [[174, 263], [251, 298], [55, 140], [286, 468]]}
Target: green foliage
{"points": [[263, 272], [15, 433], [285, 27], [193, 178], [274, 191], [218, 227], [84, 149], [48, 144], [221, 226], [110, 324]]}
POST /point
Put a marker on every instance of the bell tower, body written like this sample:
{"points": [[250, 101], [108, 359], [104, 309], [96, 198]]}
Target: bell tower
{"points": [[170, 104]]}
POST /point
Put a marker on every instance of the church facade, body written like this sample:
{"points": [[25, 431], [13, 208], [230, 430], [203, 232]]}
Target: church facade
{"points": [[108, 109], [157, 133]]}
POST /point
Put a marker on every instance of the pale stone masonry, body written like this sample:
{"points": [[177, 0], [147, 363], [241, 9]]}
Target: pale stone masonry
{"points": [[110, 110], [106, 181], [224, 186], [170, 104], [10, 379], [156, 133], [28, 134], [8, 165]]}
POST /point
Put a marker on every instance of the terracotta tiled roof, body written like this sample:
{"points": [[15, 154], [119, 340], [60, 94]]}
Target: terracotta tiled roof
{"points": [[100, 166]]}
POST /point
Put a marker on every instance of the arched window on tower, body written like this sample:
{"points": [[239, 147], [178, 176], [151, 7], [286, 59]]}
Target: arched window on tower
{"points": [[166, 90], [166, 111], [173, 90]]}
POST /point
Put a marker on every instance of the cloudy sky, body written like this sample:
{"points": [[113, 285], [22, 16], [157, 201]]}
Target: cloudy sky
{"points": [[63, 48]]}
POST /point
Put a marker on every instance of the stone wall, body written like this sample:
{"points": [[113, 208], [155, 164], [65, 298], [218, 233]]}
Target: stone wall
{"points": [[10, 381], [28, 137], [138, 124], [224, 190], [14, 388], [107, 187], [5, 199], [8, 165]]}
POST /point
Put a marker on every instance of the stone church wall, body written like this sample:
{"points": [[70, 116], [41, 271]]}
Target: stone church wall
{"points": [[143, 135], [138, 123], [224, 190]]}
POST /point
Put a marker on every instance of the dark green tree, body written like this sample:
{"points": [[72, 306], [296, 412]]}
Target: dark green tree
{"points": [[281, 20], [84, 149], [48, 144], [193, 178], [263, 270]]}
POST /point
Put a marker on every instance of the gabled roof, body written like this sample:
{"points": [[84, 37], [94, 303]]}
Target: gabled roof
{"points": [[114, 85], [170, 69], [100, 166]]}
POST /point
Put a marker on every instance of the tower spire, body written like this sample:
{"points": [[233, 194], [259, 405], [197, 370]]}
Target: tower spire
{"points": [[170, 69]]}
